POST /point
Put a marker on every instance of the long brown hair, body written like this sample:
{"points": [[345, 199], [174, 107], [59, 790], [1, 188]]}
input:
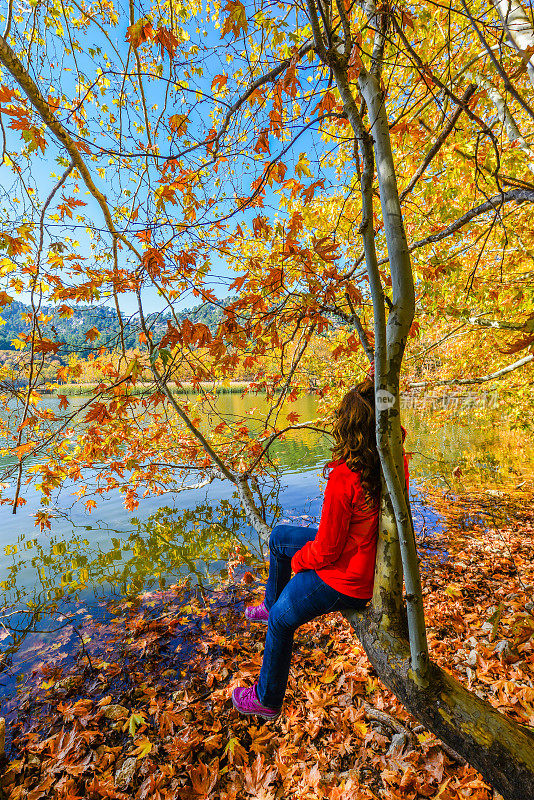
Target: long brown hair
{"points": [[355, 437]]}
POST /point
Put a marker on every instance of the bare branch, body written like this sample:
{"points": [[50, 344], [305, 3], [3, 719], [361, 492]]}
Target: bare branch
{"points": [[32, 92]]}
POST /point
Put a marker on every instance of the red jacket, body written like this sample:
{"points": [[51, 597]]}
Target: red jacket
{"points": [[343, 552]]}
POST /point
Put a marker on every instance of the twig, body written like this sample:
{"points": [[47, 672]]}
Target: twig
{"points": [[84, 649]]}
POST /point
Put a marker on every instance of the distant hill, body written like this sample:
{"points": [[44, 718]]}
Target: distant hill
{"points": [[72, 330]]}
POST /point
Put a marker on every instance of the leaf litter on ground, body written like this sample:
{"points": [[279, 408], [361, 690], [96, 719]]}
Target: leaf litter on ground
{"points": [[145, 710]]}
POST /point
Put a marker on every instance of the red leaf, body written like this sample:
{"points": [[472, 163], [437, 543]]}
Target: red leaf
{"points": [[167, 41]]}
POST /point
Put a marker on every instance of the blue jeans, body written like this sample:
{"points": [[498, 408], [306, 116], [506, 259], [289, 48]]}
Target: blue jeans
{"points": [[291, 603]]}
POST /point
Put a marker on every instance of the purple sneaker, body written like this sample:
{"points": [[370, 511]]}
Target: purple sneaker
{"points": [[257, 613], [246, 701]]}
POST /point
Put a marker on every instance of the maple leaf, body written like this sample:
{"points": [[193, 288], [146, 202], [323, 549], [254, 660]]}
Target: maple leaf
{"points": [[6, 94], [143, 745], [34, 138], [260, 226], [140, 32], [153, 261], [309, 191], [134, 722], [407, 20], [68, 204], [166, 40], [293, 417], [262, 145], [204, 777], [179, 123], [236, 19], [144, 236], [326, 248], [43, 520], [47, 346], [219, 81], [302, 167], [92, 334], [327, 103]]}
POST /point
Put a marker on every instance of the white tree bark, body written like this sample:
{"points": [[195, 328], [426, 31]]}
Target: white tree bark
{"points": [[519, 30], [505, 116]]}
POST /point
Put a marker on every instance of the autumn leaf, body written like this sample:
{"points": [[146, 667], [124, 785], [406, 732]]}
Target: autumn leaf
{"points": [[219, 82], [143, 745], [302, 167], [134, 722], [140, 32], [92, 334], [204, 777], [43, 520], [68, 204], [166, 40], [179, 123], [309, 192], [262, 144], [235, 19]]}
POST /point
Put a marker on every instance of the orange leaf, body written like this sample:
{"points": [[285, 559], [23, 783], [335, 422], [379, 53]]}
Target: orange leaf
{"points": [[236, 20], [92, 334], [262, 145], [219, 81], [140, 32], [22, 449], [166, 40]]}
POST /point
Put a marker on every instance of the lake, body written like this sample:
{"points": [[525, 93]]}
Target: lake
{"points": [[49, 579]]}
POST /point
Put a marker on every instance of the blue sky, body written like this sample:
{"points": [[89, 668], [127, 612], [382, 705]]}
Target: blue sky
{"points": [[88, 62]]}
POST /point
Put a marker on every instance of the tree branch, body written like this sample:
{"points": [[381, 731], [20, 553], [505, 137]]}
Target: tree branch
{"points": [[495, 202], [32, 92], [508, 85], [519, 30], [436, 147], [471, 381]]}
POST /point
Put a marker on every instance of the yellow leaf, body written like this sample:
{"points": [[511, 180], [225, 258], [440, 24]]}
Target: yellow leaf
{"points": [[144, 746], [302, 167]]}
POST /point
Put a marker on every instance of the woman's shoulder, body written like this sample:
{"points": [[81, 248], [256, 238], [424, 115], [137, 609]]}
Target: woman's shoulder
{"points": [[340, 470]]}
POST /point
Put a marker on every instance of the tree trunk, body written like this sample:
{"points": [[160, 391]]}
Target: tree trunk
{"points": [[501, 750]]}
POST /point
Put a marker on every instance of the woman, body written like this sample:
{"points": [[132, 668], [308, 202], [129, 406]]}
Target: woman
{"points": [[334, 565]]}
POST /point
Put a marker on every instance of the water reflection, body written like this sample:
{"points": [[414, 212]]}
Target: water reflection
{"points": [[74, 575]]}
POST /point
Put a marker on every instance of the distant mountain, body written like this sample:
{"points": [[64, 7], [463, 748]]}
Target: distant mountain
{"points": [[72, 330]]}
